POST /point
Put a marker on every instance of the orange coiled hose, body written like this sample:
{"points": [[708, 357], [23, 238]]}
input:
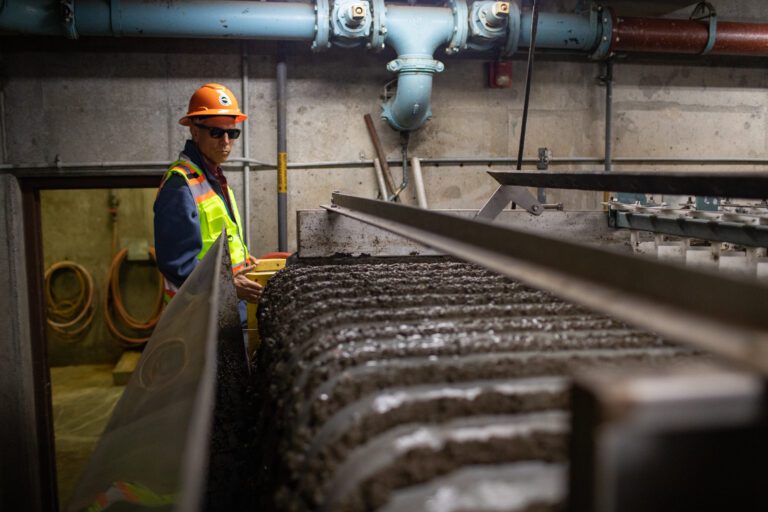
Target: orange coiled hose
{"points": [[113, 304], [70, 317]]}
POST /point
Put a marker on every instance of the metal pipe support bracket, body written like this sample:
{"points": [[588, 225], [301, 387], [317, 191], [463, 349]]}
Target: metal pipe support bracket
{"points": [[706, 11]]}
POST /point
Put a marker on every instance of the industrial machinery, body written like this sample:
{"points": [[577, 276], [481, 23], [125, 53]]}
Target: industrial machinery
{"points": [[422, 360], [538, 373]]}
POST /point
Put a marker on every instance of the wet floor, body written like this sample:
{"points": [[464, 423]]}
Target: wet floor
{"points": [[83, 399]]}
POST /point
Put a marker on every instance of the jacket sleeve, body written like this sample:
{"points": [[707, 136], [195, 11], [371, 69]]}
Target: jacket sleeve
{"points": [[178, 240]]}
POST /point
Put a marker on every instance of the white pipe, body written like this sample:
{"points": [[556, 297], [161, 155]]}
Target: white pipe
{"points": [[380, 179], [418, 182], [246, 151]]}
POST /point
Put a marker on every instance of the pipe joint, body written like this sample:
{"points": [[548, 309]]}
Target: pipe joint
{"points": [[68, 18], [351, 22], [407, 64], [322, 26], [488, 23], [460, 27], [378, 26], [604, 22]]}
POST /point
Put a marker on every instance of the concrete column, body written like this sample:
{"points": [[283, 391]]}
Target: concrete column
{"points": [[20, 472]]}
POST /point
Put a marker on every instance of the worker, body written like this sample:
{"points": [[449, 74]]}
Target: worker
{"points": [[194, 203]]}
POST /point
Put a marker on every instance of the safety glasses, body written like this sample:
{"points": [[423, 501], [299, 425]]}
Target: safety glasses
{"points": [[218, 133]]}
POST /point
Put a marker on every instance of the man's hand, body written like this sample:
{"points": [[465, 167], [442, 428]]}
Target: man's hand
{"points": [[247, 290]]}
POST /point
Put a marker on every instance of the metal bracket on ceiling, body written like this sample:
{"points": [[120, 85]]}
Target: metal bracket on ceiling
{"points": [[706, 11], [505, 195]]}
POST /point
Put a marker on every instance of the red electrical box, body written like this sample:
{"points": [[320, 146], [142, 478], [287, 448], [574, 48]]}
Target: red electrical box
{"points": [[500, 74]]}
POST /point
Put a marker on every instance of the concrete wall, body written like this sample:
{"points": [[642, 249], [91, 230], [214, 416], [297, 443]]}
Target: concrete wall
{"points": [[120, 100], [77, 226]]}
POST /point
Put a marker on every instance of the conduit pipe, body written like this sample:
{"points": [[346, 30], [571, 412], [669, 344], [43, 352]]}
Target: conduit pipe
{"points": [[418, 181], [282, 156], [246, 149], [688, 37]]}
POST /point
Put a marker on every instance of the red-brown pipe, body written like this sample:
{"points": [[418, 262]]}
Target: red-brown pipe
{"points": [[650, 35]]}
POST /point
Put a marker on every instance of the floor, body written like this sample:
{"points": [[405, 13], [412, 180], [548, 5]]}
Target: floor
{"points": [[83, 399]]}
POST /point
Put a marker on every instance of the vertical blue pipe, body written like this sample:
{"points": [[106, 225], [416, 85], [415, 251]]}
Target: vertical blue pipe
{"points": [[415, 33]]}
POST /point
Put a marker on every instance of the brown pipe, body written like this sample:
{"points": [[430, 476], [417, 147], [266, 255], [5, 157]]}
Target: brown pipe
{"points": [[380, 153], [650, 35]]}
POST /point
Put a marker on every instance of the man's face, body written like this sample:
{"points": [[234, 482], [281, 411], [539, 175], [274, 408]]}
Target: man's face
{"points": [[215, 150]]}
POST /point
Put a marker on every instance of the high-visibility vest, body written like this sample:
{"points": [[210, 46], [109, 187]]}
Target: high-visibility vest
{"points": [[213, 216], [130, 492]]}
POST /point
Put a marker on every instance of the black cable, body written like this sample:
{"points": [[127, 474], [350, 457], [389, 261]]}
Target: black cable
{"points": [[528, 77]]}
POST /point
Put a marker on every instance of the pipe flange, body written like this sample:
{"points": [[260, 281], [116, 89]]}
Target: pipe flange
{"points": [[115, 18], [351, 22], [415, 65], [487, 23], [379, 26], [605, 18], [322, 26], [68, 18], [460, 26], [513, 30]]}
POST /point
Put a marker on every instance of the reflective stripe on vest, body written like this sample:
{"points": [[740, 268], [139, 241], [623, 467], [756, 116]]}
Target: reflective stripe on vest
{"points": [[213, 216]]}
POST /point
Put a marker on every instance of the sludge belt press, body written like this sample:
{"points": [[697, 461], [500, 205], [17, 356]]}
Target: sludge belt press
{"points": [[390, 384], [530, 374]]}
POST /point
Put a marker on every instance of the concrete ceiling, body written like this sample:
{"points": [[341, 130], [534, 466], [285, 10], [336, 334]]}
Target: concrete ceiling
{"points": [[647, 7]]}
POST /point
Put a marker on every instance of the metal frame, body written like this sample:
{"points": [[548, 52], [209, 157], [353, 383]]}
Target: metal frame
{"points": [[745, 185], [703, 229], [726, 316]]}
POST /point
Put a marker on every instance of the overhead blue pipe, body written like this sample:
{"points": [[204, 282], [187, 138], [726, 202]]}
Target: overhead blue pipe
{"points": [[41, 17], [560, 31], [414, 32], [191, 18]]}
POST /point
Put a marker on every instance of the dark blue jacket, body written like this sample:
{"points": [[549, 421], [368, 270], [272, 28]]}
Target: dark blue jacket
{"points": [[177, 227]]}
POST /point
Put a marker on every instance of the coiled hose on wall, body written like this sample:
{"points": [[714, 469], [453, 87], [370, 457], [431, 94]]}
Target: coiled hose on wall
{"points": [[71, 316], [113, 305]]}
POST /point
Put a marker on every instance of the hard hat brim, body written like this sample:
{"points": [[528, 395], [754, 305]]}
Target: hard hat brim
{"points": [[187, 119]]}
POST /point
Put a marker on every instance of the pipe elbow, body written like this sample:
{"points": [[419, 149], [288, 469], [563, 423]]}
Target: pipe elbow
{"points": [[411, 106]]}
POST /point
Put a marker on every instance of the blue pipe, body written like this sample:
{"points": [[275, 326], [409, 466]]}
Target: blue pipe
{"points": [[415, 33], [31, 17], [560, 31], [191, 18]]}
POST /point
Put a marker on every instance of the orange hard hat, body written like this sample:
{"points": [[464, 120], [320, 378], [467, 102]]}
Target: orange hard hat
{"points": [[213, 100]]}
